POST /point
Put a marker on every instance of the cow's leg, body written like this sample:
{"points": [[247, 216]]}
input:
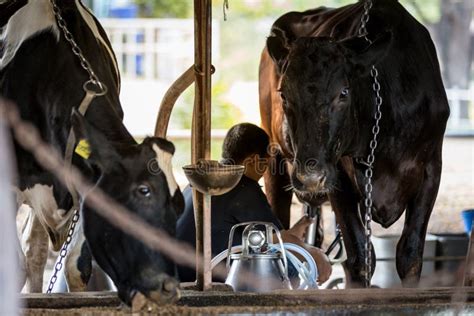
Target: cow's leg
{"points": [[35, 244], [345, 205], [78, 266], [277, 189], [411, 244]]}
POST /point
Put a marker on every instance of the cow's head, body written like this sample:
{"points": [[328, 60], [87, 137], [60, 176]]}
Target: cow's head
{"points": [[318, 77], [139, 177]]}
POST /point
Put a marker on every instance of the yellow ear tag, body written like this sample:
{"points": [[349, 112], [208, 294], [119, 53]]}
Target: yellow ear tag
{"points": [[83, 149]]}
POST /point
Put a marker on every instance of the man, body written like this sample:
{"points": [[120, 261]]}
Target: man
{"points": [[245, 144]]}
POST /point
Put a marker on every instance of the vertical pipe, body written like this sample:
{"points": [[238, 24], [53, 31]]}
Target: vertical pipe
{"points": [[9, 271], [201, 129], [207, 254], [469, 266]]}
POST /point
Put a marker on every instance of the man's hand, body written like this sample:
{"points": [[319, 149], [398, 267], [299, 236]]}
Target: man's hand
{"points": [[299, 228], [322, 262]]}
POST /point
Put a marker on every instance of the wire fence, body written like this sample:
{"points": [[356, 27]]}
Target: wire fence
{"points": [[28, 137], [9, 274]]}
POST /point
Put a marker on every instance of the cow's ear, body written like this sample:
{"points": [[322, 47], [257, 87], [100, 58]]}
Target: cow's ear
{"points": [[164, 151], [363, 55], [278, 51], [91, 144]]}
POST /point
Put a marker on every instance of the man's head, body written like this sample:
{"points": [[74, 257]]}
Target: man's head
{"points": [[246, 144]]}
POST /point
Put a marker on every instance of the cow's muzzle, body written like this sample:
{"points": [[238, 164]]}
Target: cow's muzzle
{"points": [[168, 293], [310, 182], [165, 290], [153, 301]]}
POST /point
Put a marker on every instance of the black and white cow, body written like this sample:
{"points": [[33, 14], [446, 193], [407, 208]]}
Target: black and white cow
{"points": [[39, 71]]}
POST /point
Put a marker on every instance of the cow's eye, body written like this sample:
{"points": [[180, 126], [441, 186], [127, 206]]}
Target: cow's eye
{"points": [[344, 93], [144, 190]]}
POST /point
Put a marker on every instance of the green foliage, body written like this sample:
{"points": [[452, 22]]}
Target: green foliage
{"points": [[426, 11], [165, 8], [255, 9], [242, 38], [224, 114]]}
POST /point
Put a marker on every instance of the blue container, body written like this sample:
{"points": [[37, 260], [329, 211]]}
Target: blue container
{"points": [[467, 217], [124, 12], [139, 58]]}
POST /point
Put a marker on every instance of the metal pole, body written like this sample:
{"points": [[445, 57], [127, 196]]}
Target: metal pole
{"points": [[169, 100], [201, 133], [9, 271], [469, 267]]}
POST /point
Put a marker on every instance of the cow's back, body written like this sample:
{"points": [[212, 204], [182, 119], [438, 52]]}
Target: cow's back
{"points": [[42, 75]]}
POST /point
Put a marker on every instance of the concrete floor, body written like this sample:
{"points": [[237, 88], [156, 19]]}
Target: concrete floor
{"points": [[439, 301]]}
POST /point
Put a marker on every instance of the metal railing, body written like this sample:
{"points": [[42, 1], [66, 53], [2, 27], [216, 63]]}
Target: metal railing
{"points": [[162, 49], [156, 49], [461, 119]]}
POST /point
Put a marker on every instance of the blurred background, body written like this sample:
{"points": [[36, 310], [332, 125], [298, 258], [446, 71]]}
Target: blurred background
{"points": [[153, 42]]}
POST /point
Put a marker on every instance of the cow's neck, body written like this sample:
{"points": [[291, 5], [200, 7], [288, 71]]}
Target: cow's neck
{"points": [[110, 123], [360, 130]]}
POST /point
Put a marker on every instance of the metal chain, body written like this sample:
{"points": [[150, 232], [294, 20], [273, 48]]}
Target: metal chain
{"points": [[93, 79], [63, 253], [100, 90], [368, 201], [364, 20]]}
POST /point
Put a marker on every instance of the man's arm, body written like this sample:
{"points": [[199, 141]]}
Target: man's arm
{"points": [[322, 261]]}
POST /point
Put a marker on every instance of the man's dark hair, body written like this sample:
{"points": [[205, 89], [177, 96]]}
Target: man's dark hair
{"points": [[243, 140]]}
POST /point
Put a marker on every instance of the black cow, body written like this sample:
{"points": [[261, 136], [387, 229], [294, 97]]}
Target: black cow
{"points": [[39, 71], [317, 103]]}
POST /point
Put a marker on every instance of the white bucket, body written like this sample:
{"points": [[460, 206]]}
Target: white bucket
{"points": [[385, 274]]}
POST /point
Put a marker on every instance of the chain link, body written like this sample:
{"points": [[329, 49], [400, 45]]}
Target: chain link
{"points": [[101, 87], [368, 187], [364, 20], [63, 253]]}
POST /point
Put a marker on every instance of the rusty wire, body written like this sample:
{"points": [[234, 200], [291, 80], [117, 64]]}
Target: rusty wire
{"points": [[28, 137], [48, 157]]}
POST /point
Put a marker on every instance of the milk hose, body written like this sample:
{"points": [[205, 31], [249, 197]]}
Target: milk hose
{"points": [[310, 275]]}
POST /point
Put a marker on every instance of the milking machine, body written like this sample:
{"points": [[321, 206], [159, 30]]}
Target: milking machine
{"points": [[260, 265]]}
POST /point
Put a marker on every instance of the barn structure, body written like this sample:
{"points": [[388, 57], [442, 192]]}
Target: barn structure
{"points": [[206, 297]]}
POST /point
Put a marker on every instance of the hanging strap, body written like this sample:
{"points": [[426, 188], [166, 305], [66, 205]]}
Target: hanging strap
{"points": [[71, 143]]}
